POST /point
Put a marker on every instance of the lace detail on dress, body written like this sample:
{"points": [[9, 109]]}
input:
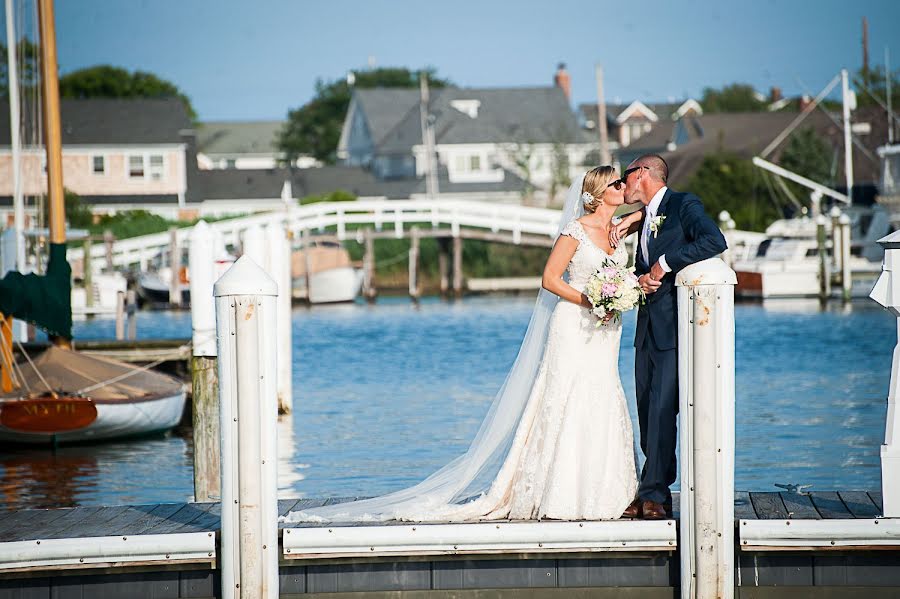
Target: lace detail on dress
{"points": [[574, 230], [588, 257]]}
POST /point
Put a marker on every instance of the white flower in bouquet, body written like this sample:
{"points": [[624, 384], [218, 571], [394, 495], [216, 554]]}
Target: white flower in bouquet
{"points": [[613, 290]]}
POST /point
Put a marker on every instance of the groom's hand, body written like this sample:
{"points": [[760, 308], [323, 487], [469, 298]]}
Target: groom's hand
{"points": [[648, 284], [657, 272]]}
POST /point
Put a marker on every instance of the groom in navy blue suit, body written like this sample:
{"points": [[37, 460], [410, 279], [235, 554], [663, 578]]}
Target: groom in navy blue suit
{"points": [[674, 232]]}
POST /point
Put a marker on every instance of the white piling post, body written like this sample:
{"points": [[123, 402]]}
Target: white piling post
{"points": [[201, 256], [706, 402], [846, 275], [887, 293], [248, 408], [279, 268]]}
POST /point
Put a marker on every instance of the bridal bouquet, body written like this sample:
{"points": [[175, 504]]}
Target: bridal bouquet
{"points": [[613, 290]]}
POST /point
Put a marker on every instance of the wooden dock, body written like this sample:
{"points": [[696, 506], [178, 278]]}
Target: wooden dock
{"points": [[169, 550]]}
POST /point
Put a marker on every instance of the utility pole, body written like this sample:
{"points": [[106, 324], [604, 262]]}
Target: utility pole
{"points": [[889, 84], [605, 157], [431, 180]]}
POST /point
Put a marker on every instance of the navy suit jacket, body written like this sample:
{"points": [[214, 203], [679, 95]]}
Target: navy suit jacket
{"points": [[687, 235]]}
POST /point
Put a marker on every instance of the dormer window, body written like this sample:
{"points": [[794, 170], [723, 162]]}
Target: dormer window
{"points": [[467, 107]]}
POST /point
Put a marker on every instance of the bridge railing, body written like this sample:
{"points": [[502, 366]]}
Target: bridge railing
{"points": [[391, 214]]}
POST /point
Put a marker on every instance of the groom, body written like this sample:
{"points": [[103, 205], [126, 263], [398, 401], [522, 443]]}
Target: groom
{"points": [[674, 233]]}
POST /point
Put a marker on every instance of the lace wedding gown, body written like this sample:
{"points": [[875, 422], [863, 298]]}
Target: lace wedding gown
{"points": [[571, 453], [572, 456]]}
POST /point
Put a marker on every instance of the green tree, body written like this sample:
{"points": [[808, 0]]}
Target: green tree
{"points": [[726, 181], [808, 155], [105, 81], [871, 87], [28, 60], [315, 127], [78, 214], [737, 97]]}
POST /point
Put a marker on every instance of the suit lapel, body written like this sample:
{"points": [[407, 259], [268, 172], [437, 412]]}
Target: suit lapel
{"points": [[661, 211]]}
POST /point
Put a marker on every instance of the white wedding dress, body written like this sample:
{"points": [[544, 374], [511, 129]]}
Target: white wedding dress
{"points": [[572, 456], [557, 440]]}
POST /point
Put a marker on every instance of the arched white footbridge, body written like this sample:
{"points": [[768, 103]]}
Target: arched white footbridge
{"points": [[398, 215]]}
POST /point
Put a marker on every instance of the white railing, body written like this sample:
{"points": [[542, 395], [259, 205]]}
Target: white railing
{"points": [[382, 214]]}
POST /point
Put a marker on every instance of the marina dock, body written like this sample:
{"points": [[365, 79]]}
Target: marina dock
{"points": [[842, 549]]}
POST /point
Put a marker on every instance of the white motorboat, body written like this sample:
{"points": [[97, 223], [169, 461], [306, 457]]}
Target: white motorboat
{"points": [[786, 263], [323, 273], [104, 292]]}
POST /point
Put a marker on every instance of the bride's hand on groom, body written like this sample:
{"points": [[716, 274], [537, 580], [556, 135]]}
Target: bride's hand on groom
{"points": [[618, 233]]}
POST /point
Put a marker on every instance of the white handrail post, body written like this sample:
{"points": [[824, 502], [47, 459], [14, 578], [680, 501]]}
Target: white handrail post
{"points": [[706, 433], [200, 264], [248, 412], [887, 293]]}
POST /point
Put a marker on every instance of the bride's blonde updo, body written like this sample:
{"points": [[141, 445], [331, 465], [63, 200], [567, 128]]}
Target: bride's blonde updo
{"points": [[595, 183]]}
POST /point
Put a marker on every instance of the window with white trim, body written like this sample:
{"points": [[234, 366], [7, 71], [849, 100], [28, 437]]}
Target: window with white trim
{"points": [[157, 167], [136, 166], [475, 162], [98, 164]]}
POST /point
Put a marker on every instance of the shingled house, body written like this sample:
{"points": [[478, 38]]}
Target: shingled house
{"points": [[116, 153], [499, 142]]}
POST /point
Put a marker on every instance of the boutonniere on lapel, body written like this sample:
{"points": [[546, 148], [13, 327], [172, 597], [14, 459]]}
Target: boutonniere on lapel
{"points": [[656, 224]]}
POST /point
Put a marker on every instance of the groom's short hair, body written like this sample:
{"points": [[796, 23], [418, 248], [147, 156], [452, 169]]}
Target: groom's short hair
{"points": [[656, 165]]}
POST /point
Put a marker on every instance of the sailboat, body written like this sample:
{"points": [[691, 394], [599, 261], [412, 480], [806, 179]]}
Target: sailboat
{"points": [[63, 395]]}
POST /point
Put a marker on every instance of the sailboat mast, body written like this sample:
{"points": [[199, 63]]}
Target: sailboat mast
{"points": [[15, 141], [848, 143], [52, 126]]}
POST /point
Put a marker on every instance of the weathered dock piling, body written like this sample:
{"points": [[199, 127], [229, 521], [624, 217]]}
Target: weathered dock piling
{"points": [[246, 306], [706, 397], [204, 366]]}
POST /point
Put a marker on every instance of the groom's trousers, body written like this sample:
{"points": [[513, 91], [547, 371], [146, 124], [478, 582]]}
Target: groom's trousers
{"points": [[656, 387]]}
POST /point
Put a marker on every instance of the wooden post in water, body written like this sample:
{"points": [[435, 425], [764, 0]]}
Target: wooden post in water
{"points": [[120, 315], [457, 266], [175, 266], [108, 241], [824, 270], [444, 265], [706, 435], [248, 402], [88, 277], [204, 373], [414, 291], [131, 313], [887, 293], [369, 291], [846, 275]]}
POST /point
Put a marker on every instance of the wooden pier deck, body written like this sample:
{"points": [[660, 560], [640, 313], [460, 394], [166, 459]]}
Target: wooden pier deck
{"points": [[169, 550]]}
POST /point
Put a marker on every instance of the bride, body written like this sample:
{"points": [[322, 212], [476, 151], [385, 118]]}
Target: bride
{"points": [[557, 440]]}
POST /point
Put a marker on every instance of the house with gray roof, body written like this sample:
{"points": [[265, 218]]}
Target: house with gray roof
{"points": [[485, 139], [626, 123], [242, 145], [117, 154]]}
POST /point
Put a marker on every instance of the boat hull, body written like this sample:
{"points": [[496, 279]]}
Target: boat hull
{"points": [[341, 284], [114, 420]]}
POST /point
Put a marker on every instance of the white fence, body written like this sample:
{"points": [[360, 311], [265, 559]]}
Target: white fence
{"points": [[395, 214]]}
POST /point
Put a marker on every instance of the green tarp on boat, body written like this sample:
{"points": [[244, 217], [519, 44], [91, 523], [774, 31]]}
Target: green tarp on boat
{"points": [[43, 300]]}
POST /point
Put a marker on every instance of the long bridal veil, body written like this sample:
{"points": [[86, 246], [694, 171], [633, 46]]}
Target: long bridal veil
{"points": [[469, 475]]}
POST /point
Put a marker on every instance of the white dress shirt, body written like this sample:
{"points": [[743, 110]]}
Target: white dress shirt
{"points": [[652, 209]]}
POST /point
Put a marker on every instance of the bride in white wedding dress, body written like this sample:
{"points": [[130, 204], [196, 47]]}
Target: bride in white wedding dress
{"points": [[557, 442]]}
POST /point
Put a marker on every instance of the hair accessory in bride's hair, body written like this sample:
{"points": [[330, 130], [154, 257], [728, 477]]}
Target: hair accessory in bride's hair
{"points": [[587, 197]]}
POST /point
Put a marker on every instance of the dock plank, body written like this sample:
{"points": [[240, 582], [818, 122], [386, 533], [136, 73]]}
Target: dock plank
{"points": [[286, 505], [188, 513], [24, 519], [743, 509], [157, 515], [46, 528], [799, 506], [95, 525], [829, 505], [860, 504], [768, 506], [876, 498], [209, 520]]}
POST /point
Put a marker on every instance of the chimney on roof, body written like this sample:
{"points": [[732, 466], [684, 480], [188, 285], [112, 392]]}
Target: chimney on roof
{"points": [[805, 101], [562, 80], [774, 94]]}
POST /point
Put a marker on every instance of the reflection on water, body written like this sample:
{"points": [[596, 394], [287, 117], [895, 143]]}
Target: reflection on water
{"points": [[386, 394]]}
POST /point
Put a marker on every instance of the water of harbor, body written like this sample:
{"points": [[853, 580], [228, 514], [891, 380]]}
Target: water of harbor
{"points": [[387, 393]]}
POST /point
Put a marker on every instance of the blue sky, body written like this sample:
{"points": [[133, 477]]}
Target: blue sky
{"points": [[239, 59]]}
